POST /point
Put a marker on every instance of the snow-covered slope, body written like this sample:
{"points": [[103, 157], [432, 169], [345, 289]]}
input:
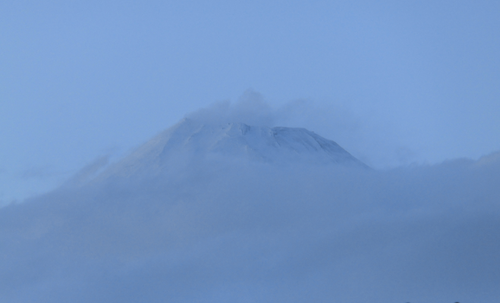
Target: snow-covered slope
{"points": [[190, 139]]}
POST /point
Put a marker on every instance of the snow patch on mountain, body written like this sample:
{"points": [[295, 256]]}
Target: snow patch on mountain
{"points": [[190, 139]]}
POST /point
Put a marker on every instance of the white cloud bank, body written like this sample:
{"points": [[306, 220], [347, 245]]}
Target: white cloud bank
{"points": [[239, 231]]}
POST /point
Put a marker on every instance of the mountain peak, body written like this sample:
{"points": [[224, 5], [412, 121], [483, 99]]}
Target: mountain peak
{"points": [[191, 140]]}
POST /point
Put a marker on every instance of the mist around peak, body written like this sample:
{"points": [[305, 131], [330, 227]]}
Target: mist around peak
{"points": [[251, 109], [372, 143]]}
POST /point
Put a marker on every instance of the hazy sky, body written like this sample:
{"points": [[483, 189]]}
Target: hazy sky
{"points": [[393, 82]]}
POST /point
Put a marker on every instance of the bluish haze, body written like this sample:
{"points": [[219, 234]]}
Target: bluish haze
{"points": [[411, 88], [393, 82]]}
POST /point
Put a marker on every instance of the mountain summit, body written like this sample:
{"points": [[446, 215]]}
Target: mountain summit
{"points": [[191, 140]]}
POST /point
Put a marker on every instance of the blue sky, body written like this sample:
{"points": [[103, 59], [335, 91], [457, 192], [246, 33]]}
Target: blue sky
{"points": [[392, 82]]}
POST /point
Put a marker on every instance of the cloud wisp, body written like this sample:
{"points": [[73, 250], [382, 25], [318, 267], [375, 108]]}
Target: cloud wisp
{"points": [[377, 144]]}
